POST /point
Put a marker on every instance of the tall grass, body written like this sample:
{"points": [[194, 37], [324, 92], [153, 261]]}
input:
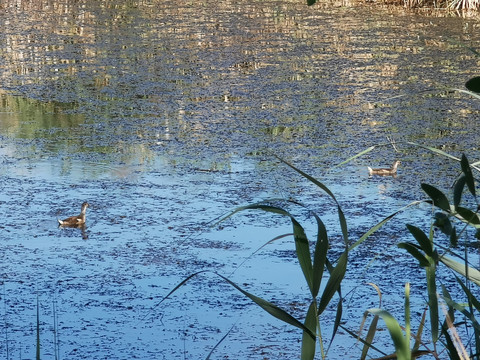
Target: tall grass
{"points": [[313, 270], [428, 256], [322, 272], [432, 4]]}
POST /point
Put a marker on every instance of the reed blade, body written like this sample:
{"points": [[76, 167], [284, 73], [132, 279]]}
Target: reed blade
{"points": [[381, 223], [422, 239], [341, 216], [361, 153], [438, 197], [467, 171], [473, 274], [401, 346], [272, 309], [334, 282], [319, 256], [308, 343]]}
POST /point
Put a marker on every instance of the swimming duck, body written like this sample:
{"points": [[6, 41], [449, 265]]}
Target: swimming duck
{"points": [[74, 221], [384, 172]]}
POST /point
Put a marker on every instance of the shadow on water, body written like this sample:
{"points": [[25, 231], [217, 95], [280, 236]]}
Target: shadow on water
{"points": [[161, 115]]}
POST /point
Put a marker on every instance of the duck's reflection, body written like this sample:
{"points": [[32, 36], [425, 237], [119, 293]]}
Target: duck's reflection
{"points": [[82, 228]]}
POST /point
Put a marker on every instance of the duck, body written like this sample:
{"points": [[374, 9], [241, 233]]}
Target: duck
{"points": [[383, 171], [75, 221]]}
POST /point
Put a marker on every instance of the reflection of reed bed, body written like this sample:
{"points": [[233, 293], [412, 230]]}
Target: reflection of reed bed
{"points": [[324, 273]]}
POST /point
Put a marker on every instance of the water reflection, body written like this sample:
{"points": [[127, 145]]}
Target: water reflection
{"points": [[28, 119], [77, 230], [231, 67]]}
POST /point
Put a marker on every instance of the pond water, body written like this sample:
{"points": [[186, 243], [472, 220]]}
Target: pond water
{"points": [[164, 116]]}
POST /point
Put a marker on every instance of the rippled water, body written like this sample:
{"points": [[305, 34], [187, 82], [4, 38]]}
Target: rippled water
{"points": [[163, 116]]}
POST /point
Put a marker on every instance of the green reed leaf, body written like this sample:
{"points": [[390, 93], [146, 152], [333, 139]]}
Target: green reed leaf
{"points": [[422, 239], [468, 215], [383, 222], [454, 237], [308, 343], [407, 314], [449, 314], [475, 302], [319, 256], [432, 300], [401, 346], [470, 316], [462, 44], [372, 329], [442, 222], [439, 198], [458, 190], [338, 319], [302, 245], [334, 281], [450, 346], [413, 250], [432, 149], [272, 309], [459, 267], [418, 335], [183, 282], [356, 336], [468, 174], [37, 355], [341, 216], [278, 237], [366, 151], [219, 342], [302, 248]]}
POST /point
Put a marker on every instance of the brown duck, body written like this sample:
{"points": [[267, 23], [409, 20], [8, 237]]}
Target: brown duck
{"points": [[383, 171], [75, 221]]}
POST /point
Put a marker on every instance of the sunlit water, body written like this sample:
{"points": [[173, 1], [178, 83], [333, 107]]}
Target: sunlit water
{"points": [[164, 116]]}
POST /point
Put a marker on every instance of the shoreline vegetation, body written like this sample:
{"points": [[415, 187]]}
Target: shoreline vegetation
{"points": [[451, 6], [426, 5]]}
